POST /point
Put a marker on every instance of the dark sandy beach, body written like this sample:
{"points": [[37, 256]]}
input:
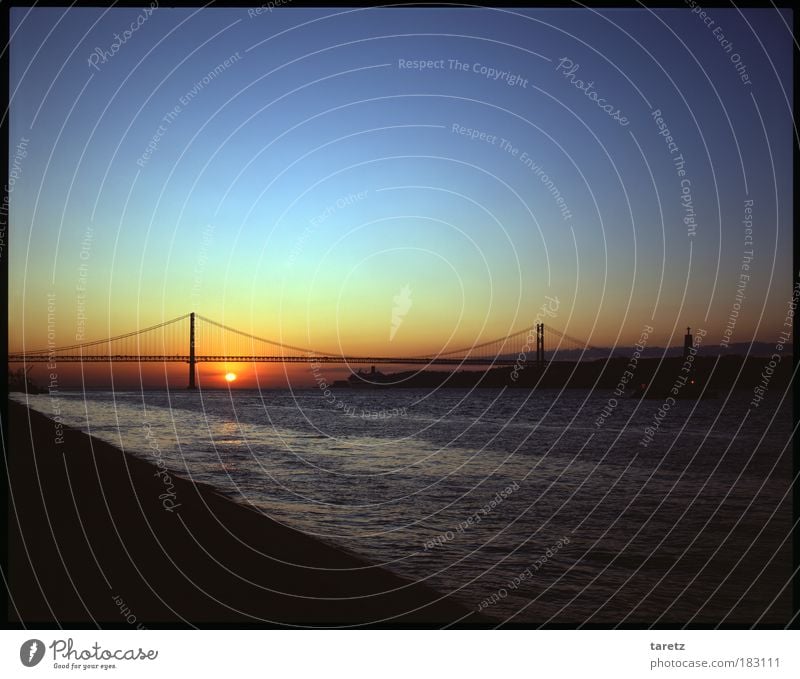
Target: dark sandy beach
{"points": [[90, 541]]}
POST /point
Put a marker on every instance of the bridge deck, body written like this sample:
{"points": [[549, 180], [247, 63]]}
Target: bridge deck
{"points": [[130, 358]]}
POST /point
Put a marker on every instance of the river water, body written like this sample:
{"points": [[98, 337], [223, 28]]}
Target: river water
{"points": [[517, 501]]}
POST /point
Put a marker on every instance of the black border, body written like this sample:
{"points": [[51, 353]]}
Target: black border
{"points": [[794, 623]]}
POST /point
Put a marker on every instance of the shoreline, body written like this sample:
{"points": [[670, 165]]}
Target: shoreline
{"points": [[91, 541]]}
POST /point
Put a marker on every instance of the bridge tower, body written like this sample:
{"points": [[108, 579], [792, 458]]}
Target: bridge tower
{"points": [[540, 345], [191, 351], [688, 342]]}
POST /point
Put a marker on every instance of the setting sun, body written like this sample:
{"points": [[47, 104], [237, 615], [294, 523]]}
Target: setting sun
{"points": [[230, 377]]}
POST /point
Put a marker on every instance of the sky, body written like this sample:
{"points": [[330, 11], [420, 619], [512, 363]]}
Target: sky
{"points": [[290, 173]]}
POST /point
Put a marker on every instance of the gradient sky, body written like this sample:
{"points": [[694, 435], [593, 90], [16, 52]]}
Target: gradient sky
{"points": [[223, 218]]}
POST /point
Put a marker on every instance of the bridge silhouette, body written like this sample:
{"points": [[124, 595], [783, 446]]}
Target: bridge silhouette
{"points": [[194, 339]]}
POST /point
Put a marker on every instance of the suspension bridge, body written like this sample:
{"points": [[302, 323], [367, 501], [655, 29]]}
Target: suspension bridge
{"points": [[194, 339]]}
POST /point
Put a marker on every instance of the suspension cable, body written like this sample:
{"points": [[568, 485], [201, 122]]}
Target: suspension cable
{"points": [[110, 339], [580, 343], [258, 339], [477, 346]]}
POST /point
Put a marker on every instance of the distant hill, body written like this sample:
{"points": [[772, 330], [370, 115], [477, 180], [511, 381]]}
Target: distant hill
{"points": [[725, 372], [756, 349]]}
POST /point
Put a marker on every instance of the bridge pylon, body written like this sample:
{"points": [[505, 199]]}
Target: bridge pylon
{"points": [[191, 351], [540, 345]]}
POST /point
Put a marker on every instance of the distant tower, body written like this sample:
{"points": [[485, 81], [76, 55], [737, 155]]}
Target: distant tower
{"points": [[540, 345], [687, 343], [192, 360]]}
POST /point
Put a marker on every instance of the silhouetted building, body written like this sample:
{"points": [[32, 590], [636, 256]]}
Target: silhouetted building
{"points": [[687, 343]]}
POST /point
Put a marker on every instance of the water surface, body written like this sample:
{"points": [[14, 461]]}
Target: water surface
{"points": [[476, 491]]}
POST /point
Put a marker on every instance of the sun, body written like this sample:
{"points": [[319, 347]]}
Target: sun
{"points": [[230, 377]]}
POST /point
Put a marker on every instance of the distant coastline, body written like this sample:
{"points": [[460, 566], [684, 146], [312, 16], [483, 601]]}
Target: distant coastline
{"points": [[720, 373]]}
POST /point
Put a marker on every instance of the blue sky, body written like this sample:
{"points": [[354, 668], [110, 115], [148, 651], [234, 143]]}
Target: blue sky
{"points": [[314, 108]]}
